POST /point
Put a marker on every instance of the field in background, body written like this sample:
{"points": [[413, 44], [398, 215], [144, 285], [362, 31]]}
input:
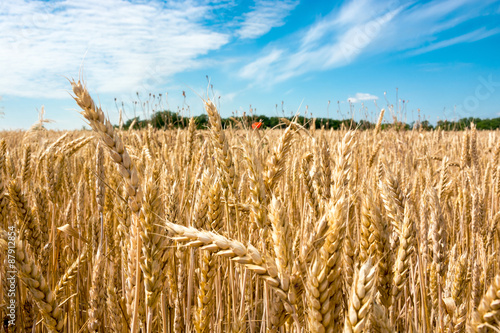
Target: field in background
{"points": [[290, 230]]}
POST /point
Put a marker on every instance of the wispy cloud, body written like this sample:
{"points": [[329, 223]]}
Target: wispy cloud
{"points": [[360, 97], [265, 16], [334, 41], [258, 69], [466, 38], [368, 27], [439, 18], [123, 45], [352, 13]]}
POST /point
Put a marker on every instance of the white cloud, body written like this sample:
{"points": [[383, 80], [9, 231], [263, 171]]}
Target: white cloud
{"points": [[352, 13], [229, 97], [321, 47], [437, 17], [225, 97], [265, 16], [360, 97], [259, 68], [368, 27], [122, 45], [466, 38]]}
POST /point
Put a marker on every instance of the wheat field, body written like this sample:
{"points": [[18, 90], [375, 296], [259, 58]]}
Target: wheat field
{"points": [[241, 230]]}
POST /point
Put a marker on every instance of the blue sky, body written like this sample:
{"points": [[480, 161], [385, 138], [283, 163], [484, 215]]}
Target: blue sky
{"points": [[439, 59]]}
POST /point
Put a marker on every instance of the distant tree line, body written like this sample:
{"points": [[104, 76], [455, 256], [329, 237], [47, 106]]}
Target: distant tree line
{"points": [[173, 120], [484, 124]]}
